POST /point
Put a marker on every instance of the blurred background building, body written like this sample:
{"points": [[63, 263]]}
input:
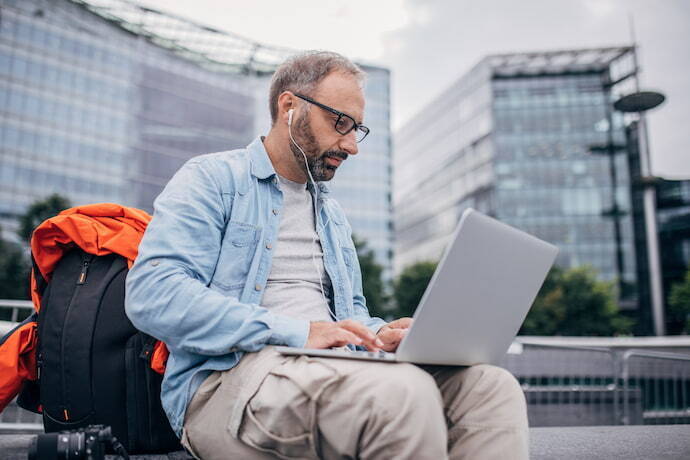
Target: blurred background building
{"points": [[534, 140], [103, 100], [673, 211]]}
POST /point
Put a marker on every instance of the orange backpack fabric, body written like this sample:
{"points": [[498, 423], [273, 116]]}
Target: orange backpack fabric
{"points": [[98, 229], [17, 361]]}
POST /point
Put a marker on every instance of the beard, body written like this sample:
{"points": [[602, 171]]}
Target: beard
{"points": [[304, 136]]}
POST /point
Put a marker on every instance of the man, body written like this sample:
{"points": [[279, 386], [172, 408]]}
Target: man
{"points": [[247, 250]]}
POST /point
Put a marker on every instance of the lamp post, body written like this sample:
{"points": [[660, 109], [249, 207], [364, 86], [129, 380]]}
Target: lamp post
{"points": [[615, 212], [640, 102]]}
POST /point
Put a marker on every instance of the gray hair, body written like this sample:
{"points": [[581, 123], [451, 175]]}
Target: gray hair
{"points": [[303, 72]]}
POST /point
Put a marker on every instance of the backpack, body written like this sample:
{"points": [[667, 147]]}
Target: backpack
{"points": [[92, 366]]}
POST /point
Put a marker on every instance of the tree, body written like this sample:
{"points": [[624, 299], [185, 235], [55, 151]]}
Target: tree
{"points": [[574, 302], [372, 280], [548, 310], [14, 261], [14, 271], [40, 211], [409, 287], [679, 307]]}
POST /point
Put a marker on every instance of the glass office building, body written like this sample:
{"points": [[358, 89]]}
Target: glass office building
{"points": [[533, 140], [97, 113], [103, 100], [673, 214], [673, 217], [673, 230]]}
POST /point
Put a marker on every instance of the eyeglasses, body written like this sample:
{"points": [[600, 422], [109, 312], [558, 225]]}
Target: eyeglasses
{"points": [[344, 124]]}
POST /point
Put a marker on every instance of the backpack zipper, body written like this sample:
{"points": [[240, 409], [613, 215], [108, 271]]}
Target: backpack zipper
{"points": [[80, 281], [84, 269]]}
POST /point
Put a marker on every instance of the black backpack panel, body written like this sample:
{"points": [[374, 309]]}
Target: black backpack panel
{"points": [[94, 365]]}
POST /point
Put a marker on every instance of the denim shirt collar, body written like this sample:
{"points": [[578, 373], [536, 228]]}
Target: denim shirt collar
{"points": [[262, 168], [261, 165]]}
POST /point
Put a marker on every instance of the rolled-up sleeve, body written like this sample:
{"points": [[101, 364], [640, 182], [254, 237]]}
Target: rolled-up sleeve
{"points": [[167, 293]]}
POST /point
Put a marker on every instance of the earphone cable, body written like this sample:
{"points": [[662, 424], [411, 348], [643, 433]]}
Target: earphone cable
{"points": [[316, 224]]}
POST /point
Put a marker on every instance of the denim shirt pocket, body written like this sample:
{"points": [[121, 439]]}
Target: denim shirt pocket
{"points": [[236, 255]]}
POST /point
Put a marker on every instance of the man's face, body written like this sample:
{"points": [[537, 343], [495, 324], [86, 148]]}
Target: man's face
{"points": [[314, 128]]}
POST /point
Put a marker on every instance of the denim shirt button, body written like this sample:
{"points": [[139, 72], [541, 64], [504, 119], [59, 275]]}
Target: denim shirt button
{"points": [[275, 212], [269, 245], [257, 287]]}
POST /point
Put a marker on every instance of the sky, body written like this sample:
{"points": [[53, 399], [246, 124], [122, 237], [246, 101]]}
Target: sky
{"points": [[428, 45]]}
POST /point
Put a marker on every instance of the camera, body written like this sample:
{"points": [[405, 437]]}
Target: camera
{"points": [[88, 443]]}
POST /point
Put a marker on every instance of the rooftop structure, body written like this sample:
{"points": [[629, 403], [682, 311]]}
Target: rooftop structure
{"points": [[212, 48], [556, 62]]}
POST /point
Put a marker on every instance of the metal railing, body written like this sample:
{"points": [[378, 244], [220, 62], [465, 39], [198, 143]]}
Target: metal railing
{"points": [[15, 310], [579, 386], [663, 381], [14, 419]]}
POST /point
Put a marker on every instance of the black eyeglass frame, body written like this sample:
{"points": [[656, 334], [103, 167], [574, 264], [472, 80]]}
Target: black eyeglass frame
{"points": [[355, 126]]}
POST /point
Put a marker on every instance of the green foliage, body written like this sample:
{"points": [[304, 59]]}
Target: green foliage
{"points": [[372, 281], [548, 310], [409, 287], [14, 271], [573, 302], [40, 211], [679, 306], [15, 263]]}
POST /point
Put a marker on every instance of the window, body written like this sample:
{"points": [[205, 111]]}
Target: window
{"points": [[19, 67]]}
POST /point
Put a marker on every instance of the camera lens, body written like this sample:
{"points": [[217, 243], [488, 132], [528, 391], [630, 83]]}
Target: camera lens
{"points": [[57, 446], [43, 447], [70, 446]]}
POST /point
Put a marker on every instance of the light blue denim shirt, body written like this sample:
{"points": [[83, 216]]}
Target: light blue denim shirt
{"points": [[203, 263]]}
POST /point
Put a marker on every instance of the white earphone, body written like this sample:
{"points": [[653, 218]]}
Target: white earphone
{"points": [[316, 218]]}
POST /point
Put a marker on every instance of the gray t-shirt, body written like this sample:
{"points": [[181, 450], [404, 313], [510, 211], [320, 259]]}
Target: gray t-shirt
{"points": [[293, 287]]}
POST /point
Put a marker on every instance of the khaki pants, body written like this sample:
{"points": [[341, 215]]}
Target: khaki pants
{"points": [[306, 407]]}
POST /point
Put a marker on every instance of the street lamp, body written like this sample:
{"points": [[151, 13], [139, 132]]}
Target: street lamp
{"points": [[639, 102]]}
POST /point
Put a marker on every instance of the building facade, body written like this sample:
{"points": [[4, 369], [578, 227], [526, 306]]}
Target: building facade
{"points": [[103, 102], [673, 216], [531, 139]]}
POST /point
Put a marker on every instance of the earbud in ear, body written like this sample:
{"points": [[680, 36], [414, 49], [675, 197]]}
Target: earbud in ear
{"points": [[290, 116]]}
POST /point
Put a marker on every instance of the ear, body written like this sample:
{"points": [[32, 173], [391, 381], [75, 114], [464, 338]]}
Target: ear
{"points": [[286, 101]]}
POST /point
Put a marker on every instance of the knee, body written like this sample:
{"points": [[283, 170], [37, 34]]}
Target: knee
{"points": [[398, 412], [498, 378], [497, 387], [407, 388], [414, 382], [494, 379]]}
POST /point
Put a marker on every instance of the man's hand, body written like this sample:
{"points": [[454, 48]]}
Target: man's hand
{"points": [[327, 335], [392, 333]]}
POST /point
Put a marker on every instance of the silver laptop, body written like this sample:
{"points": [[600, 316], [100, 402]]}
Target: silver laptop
{"points": [[476, 301]]}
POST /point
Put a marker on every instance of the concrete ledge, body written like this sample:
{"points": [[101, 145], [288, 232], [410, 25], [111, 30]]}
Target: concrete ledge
{"points": [[659, 442]]}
